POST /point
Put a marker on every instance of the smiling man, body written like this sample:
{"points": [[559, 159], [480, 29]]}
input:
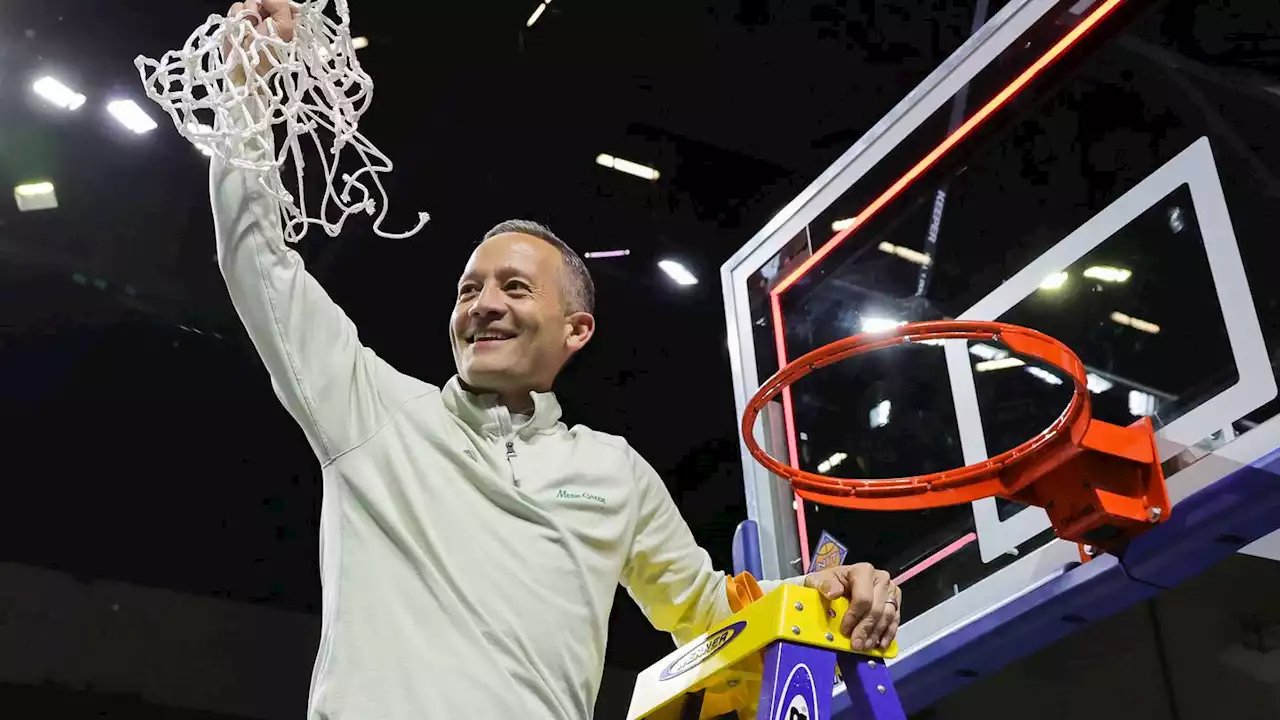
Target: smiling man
{"points": [[510, 333], [471, 541]]}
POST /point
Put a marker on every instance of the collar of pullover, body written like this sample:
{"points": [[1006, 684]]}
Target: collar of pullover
{"points": [[483, 412]]}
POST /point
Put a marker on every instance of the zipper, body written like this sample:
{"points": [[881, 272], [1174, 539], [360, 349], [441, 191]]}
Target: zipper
{"points": [[504, 425], [511, 454]]}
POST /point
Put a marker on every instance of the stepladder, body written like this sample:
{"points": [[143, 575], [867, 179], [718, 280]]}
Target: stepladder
{"points": [[780, 657]]}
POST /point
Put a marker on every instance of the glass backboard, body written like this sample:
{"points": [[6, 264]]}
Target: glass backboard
{"points": [[1065, 170]]}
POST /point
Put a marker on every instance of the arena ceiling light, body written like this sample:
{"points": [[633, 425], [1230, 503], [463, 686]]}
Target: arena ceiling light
{"points": [[601, 254], [360, 43], [1109, 274], [842, 225], [906, 253], [1141, 404], [1045, 375], [55, 92], [878, 324], [987, 352], [1054, 281], [826, 465], [1135, 323], [537, 13], [131, 116], [1098, 384], [999, 364], [677, 272], [626, 166], [879, 415], [35, 196], [202, 128]]}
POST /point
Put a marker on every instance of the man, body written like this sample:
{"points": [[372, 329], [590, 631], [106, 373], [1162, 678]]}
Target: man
{"points": [[471, 542]]}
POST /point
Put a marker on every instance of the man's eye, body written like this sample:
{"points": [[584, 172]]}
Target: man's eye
{"points": [[517, 286], [466, 290]]}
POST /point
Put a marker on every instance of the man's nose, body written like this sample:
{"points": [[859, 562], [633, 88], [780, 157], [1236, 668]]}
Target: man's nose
{"points": [[488, 301]]}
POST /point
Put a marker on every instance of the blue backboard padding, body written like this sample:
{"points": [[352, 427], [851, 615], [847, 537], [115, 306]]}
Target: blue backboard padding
{"points": [[1204, 529], [1209, 526], [1052, 611], [746, 549]]}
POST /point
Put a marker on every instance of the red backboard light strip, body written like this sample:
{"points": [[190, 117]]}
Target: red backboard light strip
{"points": [[793, 449], [935, 558], [952, 140], [780, 343]]}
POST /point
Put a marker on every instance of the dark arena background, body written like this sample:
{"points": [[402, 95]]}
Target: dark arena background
{"points": [[159, 508]]}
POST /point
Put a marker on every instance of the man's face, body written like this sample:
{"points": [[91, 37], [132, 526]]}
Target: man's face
{"points": [[511, 329]]}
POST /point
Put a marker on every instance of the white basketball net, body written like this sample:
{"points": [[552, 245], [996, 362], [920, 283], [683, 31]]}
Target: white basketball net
{"points": [[231, 84]]}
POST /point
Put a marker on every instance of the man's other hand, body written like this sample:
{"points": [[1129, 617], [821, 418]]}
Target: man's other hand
{"points": [[874, 603]]}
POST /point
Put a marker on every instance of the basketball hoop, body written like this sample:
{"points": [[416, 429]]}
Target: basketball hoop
{"points": [[1101, 484]]}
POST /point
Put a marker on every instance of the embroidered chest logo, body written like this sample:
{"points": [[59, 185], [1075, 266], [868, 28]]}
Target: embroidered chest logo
{"points": [[471, 454], [563, 494]]}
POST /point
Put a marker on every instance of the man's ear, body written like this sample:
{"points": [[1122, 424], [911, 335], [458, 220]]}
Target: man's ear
{"points": [[582, 326]]}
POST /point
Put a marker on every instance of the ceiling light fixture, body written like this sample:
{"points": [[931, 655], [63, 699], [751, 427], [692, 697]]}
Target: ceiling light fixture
{"points": [[33, 189], [1106, 273], [537, 13], [1141, 404], [360, 43], [1098, 384], [1000, 364], [842, 225], [826, 465], [905, 253], [1045, 375], [599, 254], [879, 416], [1135, 323], [1054, 281], [679, 273], [35, 196], [876, 324], [131, 116], [57, 93], [626, 166], [202, 128], [986, 352]]}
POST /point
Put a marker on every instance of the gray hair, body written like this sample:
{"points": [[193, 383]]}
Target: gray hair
{"points": [[579, 289]]}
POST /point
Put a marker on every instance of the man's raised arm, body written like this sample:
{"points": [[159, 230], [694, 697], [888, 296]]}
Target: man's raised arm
{"points": [[338, 390], [334, 387]]}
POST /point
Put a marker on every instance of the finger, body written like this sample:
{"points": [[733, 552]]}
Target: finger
{"points": [[889, 635], [862, 636], [887, 616], [860, 581], [254, 18], [828, 583], [236, 9], [281, 14]]}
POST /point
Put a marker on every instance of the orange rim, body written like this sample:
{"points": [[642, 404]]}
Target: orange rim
{"points": [[950, 487]]}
